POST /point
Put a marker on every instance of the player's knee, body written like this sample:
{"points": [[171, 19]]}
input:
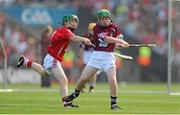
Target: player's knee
{"points": [[113, 80], [63, 80]]}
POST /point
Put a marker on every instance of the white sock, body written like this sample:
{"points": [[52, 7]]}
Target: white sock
{"points": [[25, 61]]}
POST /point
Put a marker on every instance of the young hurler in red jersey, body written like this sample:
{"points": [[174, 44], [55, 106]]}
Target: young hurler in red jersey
{"points": [[59, 42], [106, 36]]}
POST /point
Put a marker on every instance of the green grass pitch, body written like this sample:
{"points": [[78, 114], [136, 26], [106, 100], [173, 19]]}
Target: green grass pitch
{"points": [[133, 98]]}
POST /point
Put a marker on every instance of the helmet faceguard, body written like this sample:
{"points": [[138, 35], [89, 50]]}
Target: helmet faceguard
{"points": [[68, 19]]}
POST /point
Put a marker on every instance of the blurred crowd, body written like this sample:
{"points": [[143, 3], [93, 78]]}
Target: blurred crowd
{"points": [[145, 21], [16, 41]]}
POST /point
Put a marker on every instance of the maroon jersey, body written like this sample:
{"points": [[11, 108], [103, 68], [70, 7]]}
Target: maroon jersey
{"points": [[100, 33], [59, 42], [87, 47]]}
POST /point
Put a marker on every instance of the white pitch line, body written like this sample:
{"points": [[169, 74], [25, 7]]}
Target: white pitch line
{"points": [[177, 93], [135, 91], [96, 91], [6, 90]]}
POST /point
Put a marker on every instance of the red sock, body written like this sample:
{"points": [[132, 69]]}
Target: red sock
{"points": [[29, 63]]}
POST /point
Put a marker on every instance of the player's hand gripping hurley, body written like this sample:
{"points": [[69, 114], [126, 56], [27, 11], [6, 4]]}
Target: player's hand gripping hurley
{"points": [[136, 45]]}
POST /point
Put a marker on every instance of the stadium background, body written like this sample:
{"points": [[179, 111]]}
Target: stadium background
{"points": [[142, 85], [141, 21]]}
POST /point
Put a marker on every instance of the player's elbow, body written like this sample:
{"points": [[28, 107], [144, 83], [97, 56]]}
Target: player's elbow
{"points": [[73, 38]]}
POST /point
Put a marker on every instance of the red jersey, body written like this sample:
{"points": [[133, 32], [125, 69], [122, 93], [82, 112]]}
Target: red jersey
{"points": [[100, 33], [59, 42]]}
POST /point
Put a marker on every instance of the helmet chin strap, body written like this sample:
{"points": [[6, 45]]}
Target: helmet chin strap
{"points": [[72, 29], [104, 25]]}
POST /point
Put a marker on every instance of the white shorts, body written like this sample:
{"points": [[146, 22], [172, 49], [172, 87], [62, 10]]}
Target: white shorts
{"points": [[50, 62], [86, 56], [102, 60]]}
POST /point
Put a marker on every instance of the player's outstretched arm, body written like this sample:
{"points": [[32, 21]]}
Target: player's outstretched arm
{"points": [[114, 40], [77, 38]]}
